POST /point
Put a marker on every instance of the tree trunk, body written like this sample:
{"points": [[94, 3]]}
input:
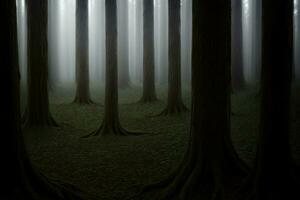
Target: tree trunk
{"points": [[238, 79], [273, 177], [111, 122], [123, 59], [20, 180], [211, 164], [82, 54], [175, 104], [37, 112], [149, 94]]}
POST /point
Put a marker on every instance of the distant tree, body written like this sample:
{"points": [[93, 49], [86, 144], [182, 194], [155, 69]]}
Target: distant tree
{"points": [[82, 54], [37, 112], [175, 104], [20, 180], [111, 122], [123, 58], [149, 94], [238, 79], [274, 174], [211, 163]]}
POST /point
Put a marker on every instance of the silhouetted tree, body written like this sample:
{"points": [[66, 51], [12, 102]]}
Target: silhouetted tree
{"points": [[123, 59], [111, 122], [37, 112], [238, 79], [149, 94], [175, 103], [273, 177], [211, 163], [82, 53], [20, 180]]}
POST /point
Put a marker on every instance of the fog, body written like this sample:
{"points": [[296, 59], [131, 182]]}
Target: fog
{"points": [[62, 40]]}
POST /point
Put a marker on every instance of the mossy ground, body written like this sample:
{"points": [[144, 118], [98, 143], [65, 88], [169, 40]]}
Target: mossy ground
{"points": [[116, 167]]}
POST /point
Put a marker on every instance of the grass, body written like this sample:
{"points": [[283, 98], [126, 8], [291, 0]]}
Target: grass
{"points": [[117, 167]]}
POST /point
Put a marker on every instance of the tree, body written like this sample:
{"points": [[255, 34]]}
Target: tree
{"points": [[20, 179], [123, 59], [149, 94], [274, 174], [211, 163], [37, 112], [238, 79], [82, 55], [111, 122], [175, 104]]}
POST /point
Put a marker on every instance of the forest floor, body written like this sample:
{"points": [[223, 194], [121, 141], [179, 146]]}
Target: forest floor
{"points": [[117, 167]]}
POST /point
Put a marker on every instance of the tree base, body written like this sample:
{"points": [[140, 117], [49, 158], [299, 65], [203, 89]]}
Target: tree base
{"points": [[83, 101], [41, 122], [148, 99], [174, 110], [115, 129]]}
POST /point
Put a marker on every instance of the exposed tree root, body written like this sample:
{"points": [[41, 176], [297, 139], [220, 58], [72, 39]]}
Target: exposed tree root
{"points": [[174, 110], [45, 121], [112, 129]]}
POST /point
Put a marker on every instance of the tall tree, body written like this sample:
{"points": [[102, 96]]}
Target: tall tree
{"points": [[37, 112], [20, 180], [111, 122], [175, 103], [82, 53], [273, 177], [123, 59], [210, 163], [238, 79], [149, 94]]}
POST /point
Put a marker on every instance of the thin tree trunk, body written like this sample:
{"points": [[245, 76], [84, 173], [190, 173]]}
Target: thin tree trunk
{"points": [[211, 165], [37, 112], [273, 177], [175, 104], [82, 54], [124, 79], [20, 180], [149, 94], [111, 122], [238, 79]]}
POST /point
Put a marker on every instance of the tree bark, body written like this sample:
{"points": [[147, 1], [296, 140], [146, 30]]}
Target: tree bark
{"points": [[82, 54], [273, 177], [20, 179], [37, 112], [238, 79], [211, 164], [175, 104], [149, 94], [124, 79]]}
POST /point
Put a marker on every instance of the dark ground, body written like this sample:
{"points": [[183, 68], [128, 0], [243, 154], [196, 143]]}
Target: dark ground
{"points": [[117, 167]]}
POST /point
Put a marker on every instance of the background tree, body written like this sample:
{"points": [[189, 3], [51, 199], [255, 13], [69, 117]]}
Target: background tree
{"points": [[20, 180], [273, 177], [149, 94], [175, 103], [238, 79], [123, 59], [111, 122], [82, 53], [211, 163], [37, 112]]}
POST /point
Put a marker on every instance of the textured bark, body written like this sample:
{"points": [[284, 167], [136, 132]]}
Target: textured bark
{"points": [[20, 180], [123, 60], [175, 104], [273, 177], [111, 122], [149, 94], [211, 164], [37, 112], [82, 54], [238, 79]]}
